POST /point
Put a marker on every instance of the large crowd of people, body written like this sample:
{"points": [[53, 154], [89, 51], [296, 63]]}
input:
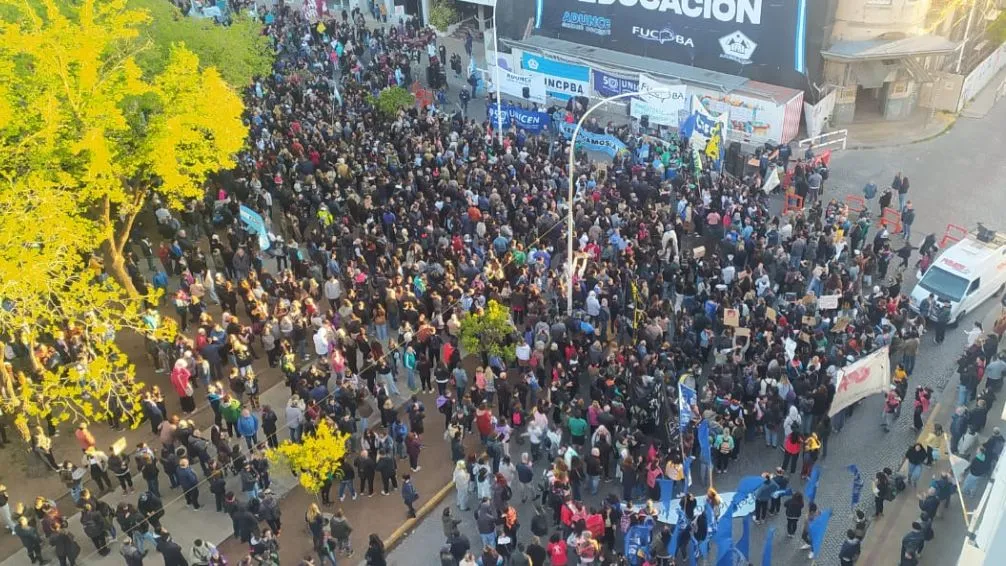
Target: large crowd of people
{"points": [[386, 230]]}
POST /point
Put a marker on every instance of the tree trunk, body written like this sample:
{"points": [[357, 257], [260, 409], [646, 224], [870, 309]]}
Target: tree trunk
{"points": [[116, 240], [115, 265]]}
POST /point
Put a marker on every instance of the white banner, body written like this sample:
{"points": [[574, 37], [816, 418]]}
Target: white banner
{"points": [[817, 114], [664, 106], [868, 376], [513, 83]]}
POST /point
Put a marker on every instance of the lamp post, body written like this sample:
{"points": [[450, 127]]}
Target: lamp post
{"points": [[496, 77], [572, 185]]}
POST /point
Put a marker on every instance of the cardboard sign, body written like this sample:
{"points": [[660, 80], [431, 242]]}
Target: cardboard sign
{"points": [[742, 332], [810, 321], [828, 302], [732, 317], [699, 252], [119, 446], [804, 337], [770, 314]]}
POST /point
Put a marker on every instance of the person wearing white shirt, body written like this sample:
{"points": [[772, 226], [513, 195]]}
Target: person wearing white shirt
{"points": [[523, 352], [321, 339], [333, 291], [974, 334]]}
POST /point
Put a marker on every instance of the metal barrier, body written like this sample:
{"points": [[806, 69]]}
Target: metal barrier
{"points": [[836, 137]]}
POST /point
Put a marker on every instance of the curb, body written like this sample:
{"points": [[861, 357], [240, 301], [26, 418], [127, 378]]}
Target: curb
{"points": [[403, 530]]}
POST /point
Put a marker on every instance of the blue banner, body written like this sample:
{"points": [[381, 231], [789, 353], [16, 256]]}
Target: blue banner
{"points": [[562, 80], [604, 143], [637, 542], [256, 225], [529, 120], [607, 84]]}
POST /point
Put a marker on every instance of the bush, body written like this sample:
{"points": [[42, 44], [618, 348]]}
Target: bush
{"points": [[488, 333], [444, 14], [391, 100]]}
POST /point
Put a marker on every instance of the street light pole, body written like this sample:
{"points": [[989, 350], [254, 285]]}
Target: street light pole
{"points": [[572, 186], [496, 77]]}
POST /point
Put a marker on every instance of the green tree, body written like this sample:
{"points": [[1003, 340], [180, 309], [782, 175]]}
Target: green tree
{"points": [[239, 52], [488, 333], [78, 112], [392, 100]]}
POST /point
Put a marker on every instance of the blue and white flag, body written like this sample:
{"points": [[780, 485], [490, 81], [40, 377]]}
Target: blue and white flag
{"points": [[686, 398]]}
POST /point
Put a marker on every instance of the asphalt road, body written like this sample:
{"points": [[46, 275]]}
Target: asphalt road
{"points": [[956, 179]]}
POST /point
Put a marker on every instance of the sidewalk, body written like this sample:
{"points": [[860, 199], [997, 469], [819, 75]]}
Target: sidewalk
{"points": [[982, 103], [379, 514], [882, 545], [184, 523]]}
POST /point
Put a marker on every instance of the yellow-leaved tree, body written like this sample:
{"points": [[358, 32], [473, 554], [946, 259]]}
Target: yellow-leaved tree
{"points": [[78, 112], [61, 314], [317, 459]]}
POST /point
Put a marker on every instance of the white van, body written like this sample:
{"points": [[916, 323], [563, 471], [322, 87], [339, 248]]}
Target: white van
{"points": [[965, 274]]}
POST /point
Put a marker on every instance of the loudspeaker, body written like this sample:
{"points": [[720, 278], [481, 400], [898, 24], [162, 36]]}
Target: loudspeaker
{"points": [[526, 91], [644, 121]]}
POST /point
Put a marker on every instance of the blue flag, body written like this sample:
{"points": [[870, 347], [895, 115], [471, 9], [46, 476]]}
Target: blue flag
{"points": [[857, 485], [811, 489], [817, 528], [666, 494], [744, 543], [687, 127], [766, 554], [704, 448], [686, 398], [672, 545], [724, 537]]}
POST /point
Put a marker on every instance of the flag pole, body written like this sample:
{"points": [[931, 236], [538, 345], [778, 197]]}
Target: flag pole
{"points": [[957, 484]]}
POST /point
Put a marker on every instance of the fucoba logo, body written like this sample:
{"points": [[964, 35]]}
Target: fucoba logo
{"points": [[662, 36]]}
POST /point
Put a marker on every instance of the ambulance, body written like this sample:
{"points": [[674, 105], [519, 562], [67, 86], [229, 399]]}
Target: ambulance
{"points": [[966, 274]]}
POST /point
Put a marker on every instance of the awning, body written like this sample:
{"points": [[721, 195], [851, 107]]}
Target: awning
{"points": [[876, 49], [594, 56]]}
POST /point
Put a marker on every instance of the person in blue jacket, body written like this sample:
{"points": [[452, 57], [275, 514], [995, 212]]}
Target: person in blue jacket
{"points": [[248, 426]]}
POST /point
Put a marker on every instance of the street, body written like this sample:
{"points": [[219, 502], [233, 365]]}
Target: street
{"points": [[953, 180]]}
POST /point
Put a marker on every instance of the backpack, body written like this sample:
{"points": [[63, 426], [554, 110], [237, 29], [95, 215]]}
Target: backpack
{"points": [[507, 493]]}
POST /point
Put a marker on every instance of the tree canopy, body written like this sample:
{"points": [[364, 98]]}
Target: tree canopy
{"points": [[318, 458], [78, 111], [240, 52], [488, 332]]}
